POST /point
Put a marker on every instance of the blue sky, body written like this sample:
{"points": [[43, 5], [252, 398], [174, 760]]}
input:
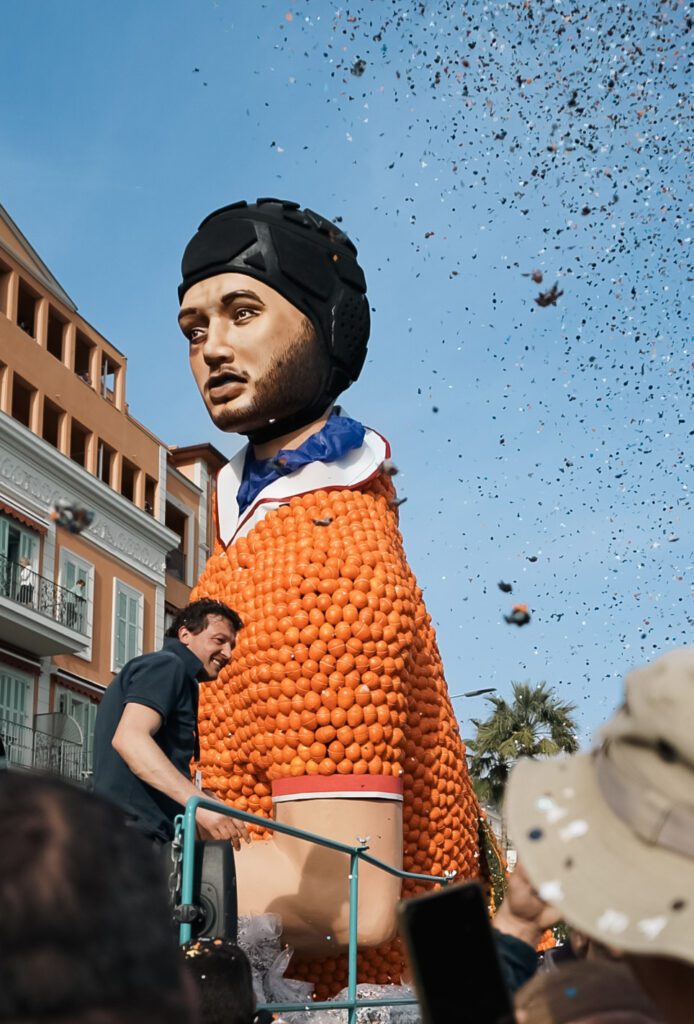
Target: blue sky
{"points": [[463, 148]]}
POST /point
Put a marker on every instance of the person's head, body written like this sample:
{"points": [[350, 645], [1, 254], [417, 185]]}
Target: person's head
{"points": [[274, 307], [222, 975], [608, 836], [209, 629], [86, 936], [584, 992]]}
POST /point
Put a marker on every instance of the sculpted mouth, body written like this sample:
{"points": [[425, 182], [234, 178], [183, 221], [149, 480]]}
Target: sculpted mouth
{"points": [[219, 380]]}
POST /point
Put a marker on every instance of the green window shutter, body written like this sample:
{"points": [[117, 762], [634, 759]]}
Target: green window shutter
{"points": [[70, 574], [13, 695], [127, 627], [132, 626], [88, 729], [27, 547], [121, 627]]}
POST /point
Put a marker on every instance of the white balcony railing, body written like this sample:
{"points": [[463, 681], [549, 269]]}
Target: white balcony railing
{"points": [[29, 748]]}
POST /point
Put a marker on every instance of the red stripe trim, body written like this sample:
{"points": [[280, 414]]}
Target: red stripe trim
{"points": [[314, 784]]}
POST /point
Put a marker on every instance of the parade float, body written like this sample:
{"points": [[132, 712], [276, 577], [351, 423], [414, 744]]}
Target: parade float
{"points": [[333, 714]]}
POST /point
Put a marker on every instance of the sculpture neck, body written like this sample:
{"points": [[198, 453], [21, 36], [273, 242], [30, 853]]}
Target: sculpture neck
{"points": [[293, 439]]}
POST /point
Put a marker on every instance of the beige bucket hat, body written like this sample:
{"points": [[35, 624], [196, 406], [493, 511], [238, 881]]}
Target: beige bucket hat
{"points": [[608, 836]]}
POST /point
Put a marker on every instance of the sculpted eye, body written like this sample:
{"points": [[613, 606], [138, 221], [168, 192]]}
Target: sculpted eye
{"points": [[244, 313]]}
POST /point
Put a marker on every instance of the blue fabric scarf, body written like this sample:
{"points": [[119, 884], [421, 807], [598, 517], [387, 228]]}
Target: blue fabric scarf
{"points": [[339, 436]]}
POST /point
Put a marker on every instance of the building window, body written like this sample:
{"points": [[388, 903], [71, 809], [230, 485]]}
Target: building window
{"points": [[55, 334], [27, 305], [15, 708], [19, 557], [23, 396], [77, 583], [150, 495], [169, 616], [109, 371], [83, 358], [14, 692], [129, 473], [79, 443], [5, 276], [104, 462], [52, 420], [176, 558], [128, 609], [84, 712]]}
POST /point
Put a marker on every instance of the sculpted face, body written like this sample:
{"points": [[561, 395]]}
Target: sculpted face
{"points": [[254, 356]]}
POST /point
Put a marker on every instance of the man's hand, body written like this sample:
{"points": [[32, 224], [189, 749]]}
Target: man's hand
{"points": [[523, 914], [214, 825]]}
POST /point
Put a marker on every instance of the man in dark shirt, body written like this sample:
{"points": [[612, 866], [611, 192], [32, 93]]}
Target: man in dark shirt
{"points": [[146, 726]]}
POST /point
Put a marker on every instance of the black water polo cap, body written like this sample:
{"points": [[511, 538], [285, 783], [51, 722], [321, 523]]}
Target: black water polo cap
{"points": [[304, 257]]}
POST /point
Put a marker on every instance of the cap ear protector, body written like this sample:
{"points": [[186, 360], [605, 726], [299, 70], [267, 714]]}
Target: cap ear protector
{"points": [[308, 260]]}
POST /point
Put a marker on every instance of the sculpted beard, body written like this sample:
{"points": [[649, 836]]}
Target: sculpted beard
{"points": [[291, 382]]}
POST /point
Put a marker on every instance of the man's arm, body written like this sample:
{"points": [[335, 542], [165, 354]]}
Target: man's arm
{"points": [[523, 914], [133, 741], [519, 923]]}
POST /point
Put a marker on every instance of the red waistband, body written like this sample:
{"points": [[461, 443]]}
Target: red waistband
{"points": [[315, 787]]}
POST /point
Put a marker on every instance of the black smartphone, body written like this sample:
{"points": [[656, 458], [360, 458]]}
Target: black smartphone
{"points": [[455, 966]]}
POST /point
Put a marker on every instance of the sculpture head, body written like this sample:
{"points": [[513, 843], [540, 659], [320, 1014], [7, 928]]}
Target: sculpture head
{"points": [[274, 305]]}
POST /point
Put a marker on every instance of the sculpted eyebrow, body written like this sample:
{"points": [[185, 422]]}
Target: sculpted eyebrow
{"points": [[240, 294], [225, 301]]}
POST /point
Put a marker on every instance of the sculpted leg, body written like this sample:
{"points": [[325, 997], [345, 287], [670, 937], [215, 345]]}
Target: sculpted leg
{"points": [[308, 885]]}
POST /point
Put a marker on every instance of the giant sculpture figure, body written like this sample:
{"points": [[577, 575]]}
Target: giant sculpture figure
{"points": [[333, 714]]}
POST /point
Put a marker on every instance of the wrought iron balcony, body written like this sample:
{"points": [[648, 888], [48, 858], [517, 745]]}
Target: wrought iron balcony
{"points": [[29, 748], [44, 596], [39, 615]]}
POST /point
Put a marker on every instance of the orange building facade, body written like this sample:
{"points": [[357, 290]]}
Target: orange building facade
{"points": [[74, 607]]}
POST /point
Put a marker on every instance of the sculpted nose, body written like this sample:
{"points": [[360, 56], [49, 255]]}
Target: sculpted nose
{"points": [[218, 341]]}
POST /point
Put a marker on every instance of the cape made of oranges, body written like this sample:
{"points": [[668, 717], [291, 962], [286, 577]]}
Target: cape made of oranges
{"points": [[336, 673]]}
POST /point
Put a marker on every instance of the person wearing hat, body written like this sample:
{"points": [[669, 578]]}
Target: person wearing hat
{"points": [[607, 837], [584, 992], [274, 307]]}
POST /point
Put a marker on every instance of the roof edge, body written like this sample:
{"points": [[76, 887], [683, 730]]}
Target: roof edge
{"points": [[44, 273]]}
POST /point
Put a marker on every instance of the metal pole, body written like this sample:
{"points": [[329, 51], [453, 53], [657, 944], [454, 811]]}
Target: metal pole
{"points": [[353, 936], [188, 865]]}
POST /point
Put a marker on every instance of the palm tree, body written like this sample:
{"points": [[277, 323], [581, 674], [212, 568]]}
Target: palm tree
{"points": [[535, 724]]}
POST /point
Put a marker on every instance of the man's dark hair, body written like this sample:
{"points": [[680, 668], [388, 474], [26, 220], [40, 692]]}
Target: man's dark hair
{"points": [[86, 934], [194, 616], [222, 974]]}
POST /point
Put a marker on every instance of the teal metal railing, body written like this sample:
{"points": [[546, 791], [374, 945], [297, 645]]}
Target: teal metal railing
{"points": [[185, 824]]}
